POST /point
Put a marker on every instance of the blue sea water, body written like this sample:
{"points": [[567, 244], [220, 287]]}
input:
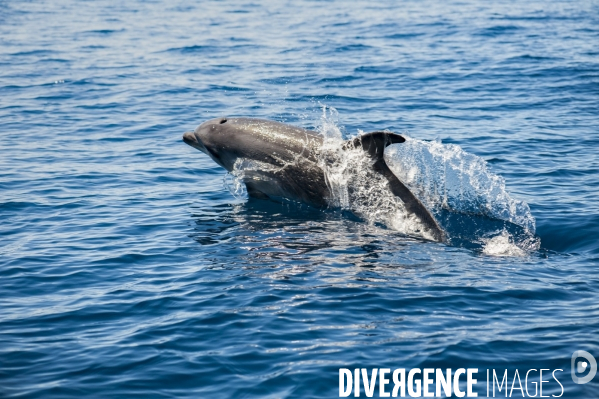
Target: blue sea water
{"points": [[127, 269]]}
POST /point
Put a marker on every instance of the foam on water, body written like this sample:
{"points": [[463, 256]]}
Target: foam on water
{"points": [[447, 178], [502, 245]]}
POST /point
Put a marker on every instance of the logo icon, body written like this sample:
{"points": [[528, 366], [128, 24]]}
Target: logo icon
{"points": [[581, 366]]}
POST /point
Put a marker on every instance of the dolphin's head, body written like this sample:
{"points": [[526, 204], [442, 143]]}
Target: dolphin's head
{"points": [[226, 140], [213, 137]]}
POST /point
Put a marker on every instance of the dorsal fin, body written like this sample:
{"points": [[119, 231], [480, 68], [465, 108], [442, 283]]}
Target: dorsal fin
{"points": [[374, 144]]}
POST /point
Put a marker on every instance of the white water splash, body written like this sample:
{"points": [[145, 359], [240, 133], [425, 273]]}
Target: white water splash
{"points": [[502, 245], [244, 170], [332, 159], [234, 183], [356, 187], [445, 176]]}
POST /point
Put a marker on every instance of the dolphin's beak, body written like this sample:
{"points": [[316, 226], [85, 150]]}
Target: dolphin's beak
{"points": [[191, 139]]}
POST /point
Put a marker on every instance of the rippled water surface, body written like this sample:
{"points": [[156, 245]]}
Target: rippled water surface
{"points": [[127, 269]]}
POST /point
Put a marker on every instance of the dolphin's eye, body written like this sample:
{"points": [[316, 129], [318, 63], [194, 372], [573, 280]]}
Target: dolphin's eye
{"points": [[223, 120]]}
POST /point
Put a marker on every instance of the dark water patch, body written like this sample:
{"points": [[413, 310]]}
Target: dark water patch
{"points": [[91, 81], [499, 30], [339, 79], [354, 47], [407, 35], [103, 31], [17, 205], [94, 47], [229, 88], [575, 235], [528, 58], [53, 60], [209, 49], [384, 69], [40, 53], [193, 49]]}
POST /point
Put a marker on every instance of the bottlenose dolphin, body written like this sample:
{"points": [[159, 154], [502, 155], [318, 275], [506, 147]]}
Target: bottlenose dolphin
{"points": [[284, 161]]}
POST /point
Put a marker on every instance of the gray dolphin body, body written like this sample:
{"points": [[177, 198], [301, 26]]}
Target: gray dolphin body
{"points": [[283, 161]]}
